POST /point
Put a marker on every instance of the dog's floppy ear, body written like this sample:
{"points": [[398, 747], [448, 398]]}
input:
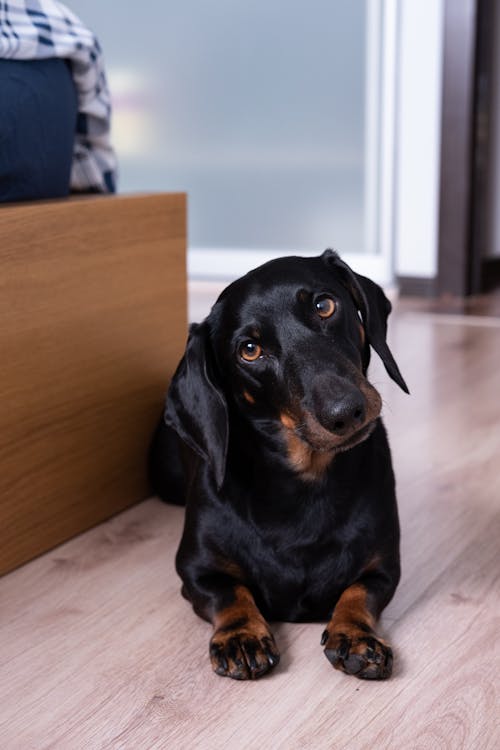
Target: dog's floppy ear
{"points": [[196, 407], [374, 308]]}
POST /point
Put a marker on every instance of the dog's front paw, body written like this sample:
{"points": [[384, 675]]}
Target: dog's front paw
{"points": [[358, 653], [243, 655]]}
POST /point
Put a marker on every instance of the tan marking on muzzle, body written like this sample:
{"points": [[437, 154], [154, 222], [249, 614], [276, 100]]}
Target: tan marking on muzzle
{"points": [[373, 400], [310, 464], [311, 456], [287, 421]]}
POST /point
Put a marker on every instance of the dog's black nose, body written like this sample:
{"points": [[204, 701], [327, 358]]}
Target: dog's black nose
{"points": [[344, 415]]}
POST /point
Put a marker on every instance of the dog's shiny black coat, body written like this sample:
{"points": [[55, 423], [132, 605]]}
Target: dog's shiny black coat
{"points": [[283, 462]]}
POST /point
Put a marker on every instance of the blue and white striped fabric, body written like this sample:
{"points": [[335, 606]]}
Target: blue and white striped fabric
{"points": [[39, 29]]}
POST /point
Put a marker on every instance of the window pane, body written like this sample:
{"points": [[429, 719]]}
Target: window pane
{"points": [[256, 109]]}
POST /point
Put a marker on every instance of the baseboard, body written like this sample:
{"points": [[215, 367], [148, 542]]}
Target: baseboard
{"points": [[417, 286]]}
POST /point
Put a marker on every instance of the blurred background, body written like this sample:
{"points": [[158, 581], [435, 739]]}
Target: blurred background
{"points": [[295, 127]]}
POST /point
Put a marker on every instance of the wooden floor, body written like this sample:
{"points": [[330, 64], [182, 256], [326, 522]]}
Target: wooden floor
{"points": [[99, 650]]}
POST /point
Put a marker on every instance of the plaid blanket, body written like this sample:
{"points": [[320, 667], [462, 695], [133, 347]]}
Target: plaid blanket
{"points": [[36, 29]]}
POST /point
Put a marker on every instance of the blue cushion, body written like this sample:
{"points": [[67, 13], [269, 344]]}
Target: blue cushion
{"points": [[38, 111]]}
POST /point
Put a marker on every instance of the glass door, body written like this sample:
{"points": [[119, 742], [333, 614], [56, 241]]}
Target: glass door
{"points": [[275, 117]]}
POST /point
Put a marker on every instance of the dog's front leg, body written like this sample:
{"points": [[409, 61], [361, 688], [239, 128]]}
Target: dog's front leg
{"points": [[350, 641], [242, 645]]}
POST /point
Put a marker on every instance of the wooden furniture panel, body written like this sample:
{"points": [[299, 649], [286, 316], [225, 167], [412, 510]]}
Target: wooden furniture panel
{"points": [[92, 324]]}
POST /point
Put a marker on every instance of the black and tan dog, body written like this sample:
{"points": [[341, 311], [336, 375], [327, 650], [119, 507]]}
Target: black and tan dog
{"points": [[273, 439]]}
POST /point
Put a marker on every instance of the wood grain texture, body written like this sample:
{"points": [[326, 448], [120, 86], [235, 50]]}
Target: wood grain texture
{"points": [[92, 323], [99, 650]]}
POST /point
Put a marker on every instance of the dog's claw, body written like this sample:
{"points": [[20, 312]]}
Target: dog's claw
{"points": [[242, 655]]}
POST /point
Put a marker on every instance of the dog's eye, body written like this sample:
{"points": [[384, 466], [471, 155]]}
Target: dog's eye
{"points": [[324, 306], [250, 351]]}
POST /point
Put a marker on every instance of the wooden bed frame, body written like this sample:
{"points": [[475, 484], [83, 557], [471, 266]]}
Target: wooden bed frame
{"points": [[93, 320]]}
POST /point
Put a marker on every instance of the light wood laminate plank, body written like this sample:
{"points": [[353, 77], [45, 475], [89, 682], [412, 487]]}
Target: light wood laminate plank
{"points": [[99, 650]]}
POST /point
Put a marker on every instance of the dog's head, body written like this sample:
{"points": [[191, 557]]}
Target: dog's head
{"points": [[285, 347]]}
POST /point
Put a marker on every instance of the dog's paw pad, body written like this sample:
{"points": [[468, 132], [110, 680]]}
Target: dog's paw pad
{"points": [[367, 657]]}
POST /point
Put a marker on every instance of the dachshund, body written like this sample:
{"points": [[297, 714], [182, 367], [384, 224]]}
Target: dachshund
{"points": [[273, 440]]}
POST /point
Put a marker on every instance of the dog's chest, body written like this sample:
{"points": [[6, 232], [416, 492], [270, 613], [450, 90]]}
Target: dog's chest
{"points": [[298, 567]]}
